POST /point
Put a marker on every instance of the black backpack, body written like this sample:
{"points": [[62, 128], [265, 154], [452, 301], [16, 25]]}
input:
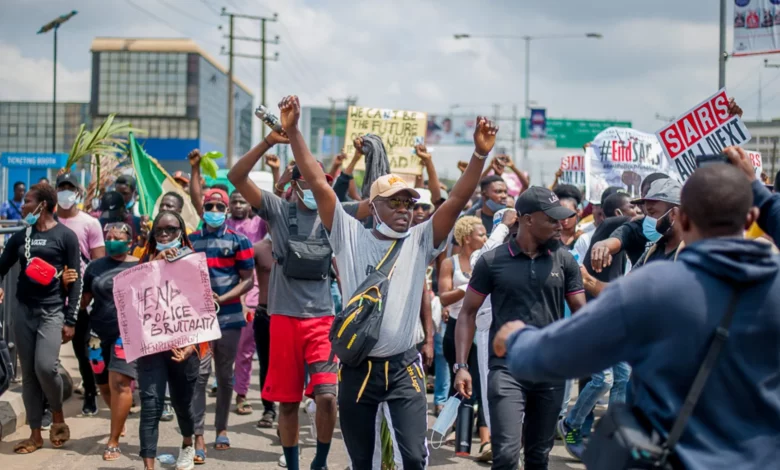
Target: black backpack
{"points": [[306, 259], [6, 364], [355, 330]]}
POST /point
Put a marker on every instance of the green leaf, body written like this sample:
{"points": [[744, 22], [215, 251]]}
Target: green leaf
{"points": [[209, 167], [214, 155], [107, 139]]}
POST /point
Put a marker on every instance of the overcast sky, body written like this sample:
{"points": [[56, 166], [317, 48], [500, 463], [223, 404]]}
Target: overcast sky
{"points": [[656, 57]]}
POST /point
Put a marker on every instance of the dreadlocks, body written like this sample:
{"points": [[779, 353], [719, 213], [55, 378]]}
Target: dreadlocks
{"points": [[377, 163], [150, 250]]}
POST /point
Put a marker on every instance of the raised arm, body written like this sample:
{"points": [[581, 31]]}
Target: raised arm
{"points": [[239, 174], [312, 173], [196, 191], [433, 178], [520, 175], [444, 218], [767, 203]]}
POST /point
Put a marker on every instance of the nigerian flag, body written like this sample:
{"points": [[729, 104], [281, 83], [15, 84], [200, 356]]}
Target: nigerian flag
{"points": [[153, 182]]}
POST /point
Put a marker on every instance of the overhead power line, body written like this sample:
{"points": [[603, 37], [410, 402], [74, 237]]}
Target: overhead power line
{"points": [[186, 13]]}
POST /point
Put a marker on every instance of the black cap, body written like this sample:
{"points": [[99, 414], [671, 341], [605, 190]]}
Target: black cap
{"points": [[112, 201], [68, 178], [537, 199]]}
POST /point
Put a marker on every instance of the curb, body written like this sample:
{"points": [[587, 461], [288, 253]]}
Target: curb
{"points": [[13, 416]]}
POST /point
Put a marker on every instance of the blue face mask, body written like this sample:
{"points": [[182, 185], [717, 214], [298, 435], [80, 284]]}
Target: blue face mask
{"points": [[165, 246], [214, 219], [648, 229], [130, 203], [32, 217], [307, 197], [494, 206], [445, 420]]}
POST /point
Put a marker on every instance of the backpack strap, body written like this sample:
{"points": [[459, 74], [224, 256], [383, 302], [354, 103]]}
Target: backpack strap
{"points": [[292, 216], [387, 263], [721, 334]]}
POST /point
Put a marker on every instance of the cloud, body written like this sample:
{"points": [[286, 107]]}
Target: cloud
{"points": [[28, 79]]}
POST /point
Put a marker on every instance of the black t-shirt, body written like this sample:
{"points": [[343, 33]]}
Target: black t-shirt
{"points": [[632, 238], [522, 288], [58, 246], [658, 254], [99, 281], [618, 266]]}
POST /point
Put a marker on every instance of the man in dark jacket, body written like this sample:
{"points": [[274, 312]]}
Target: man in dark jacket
{"points": [[661, 320]]}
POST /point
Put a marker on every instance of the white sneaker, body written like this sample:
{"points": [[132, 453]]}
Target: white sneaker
{"points": [[186, 460], [310, 408]]}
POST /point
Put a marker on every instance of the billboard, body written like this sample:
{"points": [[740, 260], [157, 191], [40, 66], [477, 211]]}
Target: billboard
{"points": [[571, 133], [756, 27], [450, 130]]}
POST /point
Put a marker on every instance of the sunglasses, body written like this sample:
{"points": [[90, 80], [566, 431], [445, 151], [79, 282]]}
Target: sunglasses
{"points": [[425, 207], [209, 206], [171, 231], [116, 226], [396, 203]]}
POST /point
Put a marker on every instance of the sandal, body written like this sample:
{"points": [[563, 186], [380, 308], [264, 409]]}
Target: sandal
{"points": [[111, 454], [267, 421], [200, 456], [243, 407], [485, 452], [222, 443], [27, 446], [59, 434]]}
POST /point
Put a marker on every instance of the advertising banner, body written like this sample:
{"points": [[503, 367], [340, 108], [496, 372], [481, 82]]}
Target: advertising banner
{"points": [[537, 127], [756, 27], [622, 157], [705, 129], [162, 305], [400, 131], [451, 130]]}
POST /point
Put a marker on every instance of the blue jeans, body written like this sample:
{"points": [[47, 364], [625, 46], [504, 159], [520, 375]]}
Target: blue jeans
{"points": [[441, 386], [566, 398], [600, 383], [620, 375]]}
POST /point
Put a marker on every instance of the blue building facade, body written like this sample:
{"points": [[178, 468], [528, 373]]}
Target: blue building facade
{"points": [[173, 90]]}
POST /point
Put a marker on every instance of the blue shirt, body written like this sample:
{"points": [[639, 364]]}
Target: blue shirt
{"points": [[11, 210], [227, 253]]}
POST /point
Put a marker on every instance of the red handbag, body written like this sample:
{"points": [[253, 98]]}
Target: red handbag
{"points": [[38, 270]]}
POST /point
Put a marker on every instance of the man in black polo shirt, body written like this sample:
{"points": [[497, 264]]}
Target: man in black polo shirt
{"points": [[528, 279]]}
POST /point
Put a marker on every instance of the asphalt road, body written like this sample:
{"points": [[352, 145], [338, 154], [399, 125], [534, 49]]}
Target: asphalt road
{"points": [[251, 448]]}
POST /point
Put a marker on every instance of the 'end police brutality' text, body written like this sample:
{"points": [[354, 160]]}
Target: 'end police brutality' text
{"points": [[162, 315]]}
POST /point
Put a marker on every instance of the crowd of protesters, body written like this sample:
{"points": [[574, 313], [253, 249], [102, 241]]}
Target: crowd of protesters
{"points": [[496, 303]]}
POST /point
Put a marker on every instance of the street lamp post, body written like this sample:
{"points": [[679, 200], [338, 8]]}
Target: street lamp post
{"points": [[528, 40], [55, 25]]}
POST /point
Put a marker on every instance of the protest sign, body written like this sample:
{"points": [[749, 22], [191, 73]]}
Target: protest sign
{"points": [[758, 164], [756, 27], [705, 129], [622, 157], [400, 131], [573, 168], [162, 305]]}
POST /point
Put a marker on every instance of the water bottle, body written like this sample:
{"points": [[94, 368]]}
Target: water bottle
{"points": [[464, 428], [269, 119]]}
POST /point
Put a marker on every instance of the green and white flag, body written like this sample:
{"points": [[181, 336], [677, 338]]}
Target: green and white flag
{"points": [[153, 182]]}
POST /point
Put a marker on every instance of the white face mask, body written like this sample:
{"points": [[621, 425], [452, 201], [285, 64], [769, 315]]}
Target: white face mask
{"points": [[67, 199], [385, 229], [445, 420]]}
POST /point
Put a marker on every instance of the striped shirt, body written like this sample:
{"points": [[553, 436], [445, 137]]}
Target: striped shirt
{"points": [[227, 253]]}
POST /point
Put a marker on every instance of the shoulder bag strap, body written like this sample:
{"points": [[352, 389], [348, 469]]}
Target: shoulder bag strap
{"points": [[27, 233], [721, 334], [292, 215], [388, 262]]}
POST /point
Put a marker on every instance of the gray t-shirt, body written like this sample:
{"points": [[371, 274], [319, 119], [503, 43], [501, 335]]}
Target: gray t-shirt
{"points": [[356, 249], [293, 297]]}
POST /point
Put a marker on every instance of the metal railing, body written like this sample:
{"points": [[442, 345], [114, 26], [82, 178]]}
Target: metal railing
{"points": [[10, 304]]}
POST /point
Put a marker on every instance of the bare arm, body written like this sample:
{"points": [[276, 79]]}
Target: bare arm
{"points": [[433, 179], [196, 191], [444, 218], [239, 174], [575, 301], [426, 317], [447, 294], [243, 286], [97, 252], [338, 160], [601, 253], [520, 175], [312, 172], [353, 192]]}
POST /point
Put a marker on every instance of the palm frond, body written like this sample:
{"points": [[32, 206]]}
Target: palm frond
{"points": [[107, 139]]}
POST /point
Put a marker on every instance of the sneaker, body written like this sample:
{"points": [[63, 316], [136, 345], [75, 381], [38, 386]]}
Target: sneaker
{"points": [[283, 460], [310, 408], [186, 460], [47, 419], [167, 414], [90, 405], [572, 440]]}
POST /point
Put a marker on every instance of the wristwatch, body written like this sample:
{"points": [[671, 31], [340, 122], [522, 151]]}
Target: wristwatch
{"points": [[476, 154], [457, 367]]}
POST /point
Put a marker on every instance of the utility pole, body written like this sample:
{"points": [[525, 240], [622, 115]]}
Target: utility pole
{"points": [[262, 57], [515, 124], [722, 49]]}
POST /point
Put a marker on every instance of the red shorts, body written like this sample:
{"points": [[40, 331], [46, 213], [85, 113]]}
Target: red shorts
{"points": [[295, 344]]}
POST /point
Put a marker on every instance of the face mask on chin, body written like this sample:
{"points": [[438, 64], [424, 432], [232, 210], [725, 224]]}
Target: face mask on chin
{"points": [[494, 206], [385, 229], [665, 224]]}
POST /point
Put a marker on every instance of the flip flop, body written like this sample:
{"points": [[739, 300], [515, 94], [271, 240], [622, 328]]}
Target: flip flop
{"points": [[111, 454], [59, 434], [244, 408], [27, 446], [222, 441], [200, 456]]}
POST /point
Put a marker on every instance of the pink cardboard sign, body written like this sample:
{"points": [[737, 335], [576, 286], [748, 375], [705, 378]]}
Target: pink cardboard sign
{"points": [[162, 305]]}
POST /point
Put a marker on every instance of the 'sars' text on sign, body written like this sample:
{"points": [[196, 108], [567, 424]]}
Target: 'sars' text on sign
{"points": [[705, 129], [400, 132], [573, 170]]}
